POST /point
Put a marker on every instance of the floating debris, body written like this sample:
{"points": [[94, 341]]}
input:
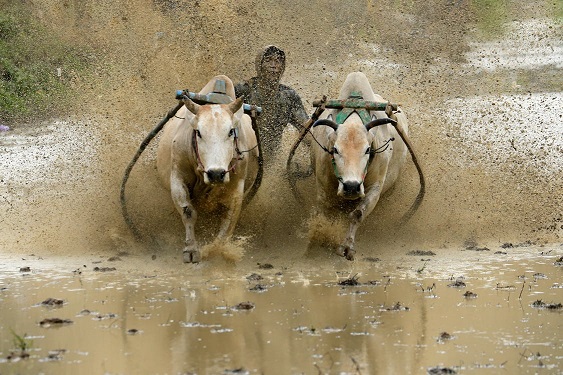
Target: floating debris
{"points": [[421, 253], [133, 331], [114, 259], [105, 316], [396, 307], [52, 302], [539, 304], [4, 128], [457, 284], [254, 276], [50, 322], [559, 261], [258, 288], [16, 356], [104, 269], [439, 370], [25, 269], [352, 281], [244, 306], [505, 287], [444, 336], [237, 371], [500, 252], [55, 355], [539, 275], [372, 259], [265, 266], [469, 295]]}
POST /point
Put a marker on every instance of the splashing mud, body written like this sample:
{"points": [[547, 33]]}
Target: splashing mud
{"points": [[483, 95]]}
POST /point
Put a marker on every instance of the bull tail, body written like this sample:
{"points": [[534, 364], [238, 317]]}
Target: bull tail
{"points": [[418, 200], [134, 230]]}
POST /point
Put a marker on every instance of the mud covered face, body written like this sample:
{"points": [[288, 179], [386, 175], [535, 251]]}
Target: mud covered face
{"points": [[272, 67]]}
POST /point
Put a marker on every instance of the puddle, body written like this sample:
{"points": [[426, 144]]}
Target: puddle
{"points": [[404, 315]]}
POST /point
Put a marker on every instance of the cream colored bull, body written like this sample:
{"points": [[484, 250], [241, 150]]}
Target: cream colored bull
{"points": [[207, 158], [357, 162]]}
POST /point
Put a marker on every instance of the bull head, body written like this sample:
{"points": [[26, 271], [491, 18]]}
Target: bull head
{"points": [[351, 152], [214, 138]]}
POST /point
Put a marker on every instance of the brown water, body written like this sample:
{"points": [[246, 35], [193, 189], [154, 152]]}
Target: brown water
{"points": [[481, 85], [405, 315]]}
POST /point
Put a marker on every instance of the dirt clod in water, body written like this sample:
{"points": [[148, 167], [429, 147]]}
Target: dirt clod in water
{"points": [[244, 306], [441, 371], [539, 304], [352, 281], [457, 284], [51, 322], [469, 294], [421, 253], [265, 266], [104, 269], [52, 302]]}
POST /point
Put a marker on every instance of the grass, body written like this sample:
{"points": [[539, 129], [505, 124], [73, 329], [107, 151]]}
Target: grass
{"points": [[31, 58], [21, 343]]}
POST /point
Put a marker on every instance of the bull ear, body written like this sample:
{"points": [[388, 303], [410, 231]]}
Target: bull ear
{"points": [[191, 106], [235, 105]]}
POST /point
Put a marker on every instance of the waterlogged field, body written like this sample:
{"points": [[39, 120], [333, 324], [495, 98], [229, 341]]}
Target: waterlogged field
{"points": [[472, 284], [442, 311]]}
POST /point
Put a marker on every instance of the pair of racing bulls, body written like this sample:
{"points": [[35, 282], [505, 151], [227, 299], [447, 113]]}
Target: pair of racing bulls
{"points": [[208, 153]]}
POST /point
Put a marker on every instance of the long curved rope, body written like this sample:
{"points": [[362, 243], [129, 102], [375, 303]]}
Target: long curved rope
{"points": [[418, 200], [142, 147], [291, 176]]}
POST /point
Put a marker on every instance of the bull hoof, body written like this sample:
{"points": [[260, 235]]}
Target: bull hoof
{"points": [[192, 256], [345, 251]]}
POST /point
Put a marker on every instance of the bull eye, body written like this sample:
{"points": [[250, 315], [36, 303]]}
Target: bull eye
{"points": [[335, 151], [232, 132], [198, 133], [368, 150]]}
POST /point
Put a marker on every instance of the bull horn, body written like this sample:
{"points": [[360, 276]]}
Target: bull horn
{"points": [[326, 122], [234, 106], [380, 121], [191, 106]]}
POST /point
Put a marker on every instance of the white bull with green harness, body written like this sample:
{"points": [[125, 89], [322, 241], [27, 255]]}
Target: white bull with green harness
{"points": [[355, 157]]}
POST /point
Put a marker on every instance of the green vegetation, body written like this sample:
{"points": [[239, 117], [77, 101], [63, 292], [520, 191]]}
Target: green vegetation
{"points": [[36, 68], [21, 343]]}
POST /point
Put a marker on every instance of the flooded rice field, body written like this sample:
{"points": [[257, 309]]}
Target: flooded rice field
{"points": [[444, 312], [473, 283]]}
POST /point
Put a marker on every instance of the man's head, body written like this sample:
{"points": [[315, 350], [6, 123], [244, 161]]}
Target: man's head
{"points": [[270, 63]]}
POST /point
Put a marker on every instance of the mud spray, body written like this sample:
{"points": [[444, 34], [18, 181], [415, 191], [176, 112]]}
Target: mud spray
{"points": [[488, 132]]}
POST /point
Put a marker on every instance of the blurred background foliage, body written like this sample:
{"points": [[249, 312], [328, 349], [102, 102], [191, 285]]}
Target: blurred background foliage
{"points": [[37, 69]]}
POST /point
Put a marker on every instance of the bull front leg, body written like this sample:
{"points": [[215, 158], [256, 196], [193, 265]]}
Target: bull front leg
{"points": [[357, 216], [180, 196]]}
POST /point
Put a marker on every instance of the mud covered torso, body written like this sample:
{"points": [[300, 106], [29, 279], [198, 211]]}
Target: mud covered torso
{"points": [[279, 108]]}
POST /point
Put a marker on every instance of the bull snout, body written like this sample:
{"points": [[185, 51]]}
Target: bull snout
{"points": [[351, 190], [217, 176]]}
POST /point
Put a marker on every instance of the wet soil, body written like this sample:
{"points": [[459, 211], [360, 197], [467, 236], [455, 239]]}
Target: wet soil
{"points": [[471, 284]]}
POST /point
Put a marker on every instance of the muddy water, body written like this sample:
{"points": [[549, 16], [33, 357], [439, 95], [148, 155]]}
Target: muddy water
{"points": [[481, 85], [465, 311]]}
